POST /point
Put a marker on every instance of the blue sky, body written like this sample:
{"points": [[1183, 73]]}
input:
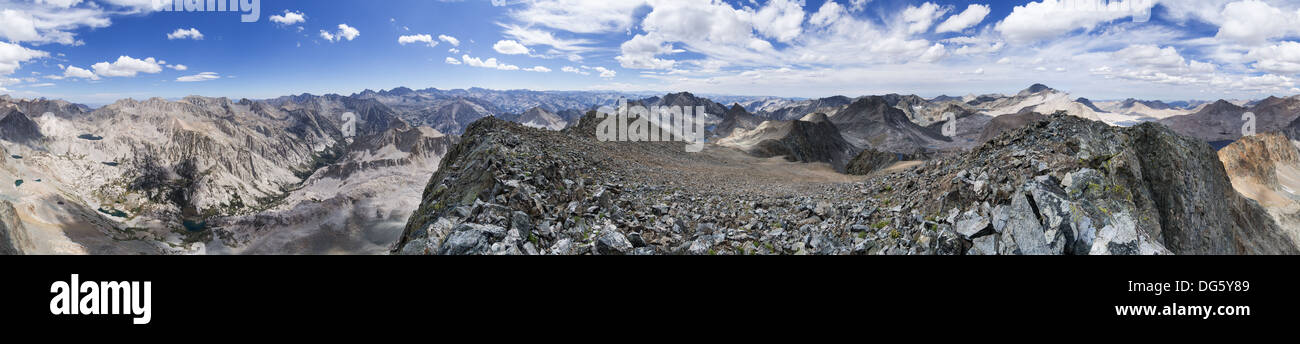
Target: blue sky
{"points": [[97, 51]]}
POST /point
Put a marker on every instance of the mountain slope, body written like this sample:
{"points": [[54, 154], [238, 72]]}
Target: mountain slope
{"points": [[1266, 168], [870, 122], [1062, 186], [211, 175], [810, 139]]}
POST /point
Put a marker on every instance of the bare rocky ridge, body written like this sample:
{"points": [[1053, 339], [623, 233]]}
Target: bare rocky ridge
{"points": [[1222, 120], [736, 118], [872, 122], [810, 139], [1266, 168], [219, 176], [16, 127], [13, 237], [1060, 186]]}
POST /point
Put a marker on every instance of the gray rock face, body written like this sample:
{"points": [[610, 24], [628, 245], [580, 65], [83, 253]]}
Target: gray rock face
{"points": [[870, 160], [1199, 211], [870, 122], [810, 141], [13, 237], [1064, 185], [471, 238], [971, 225], [17, 127], [1024, 230], [611, 242]]}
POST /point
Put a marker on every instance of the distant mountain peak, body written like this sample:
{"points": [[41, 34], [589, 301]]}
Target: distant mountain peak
{"points": [[1035, 88]]}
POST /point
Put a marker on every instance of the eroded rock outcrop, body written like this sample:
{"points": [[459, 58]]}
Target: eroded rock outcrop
{"points": [[1064, 185]]}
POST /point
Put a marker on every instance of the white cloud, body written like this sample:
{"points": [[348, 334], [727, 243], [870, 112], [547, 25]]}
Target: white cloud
{"points": [[919, 19], [489, 63], [574, 70], [205, 76], [288, 18], [1036, 21], [972, 16], [190, 33], [510, 47], [450, 40], [606, 73], [535, 37], [1283, 58], [179, 67], [17, 26], [44, 22], [936, 52], [780, 19], [76, 72], [127, 66], [453, 51], [1151, 56], [1253, 21], [421, 38], [452, 61], [60, 3], [345, 32], [13, 55], [858, 5], [538, 69], [579, 16], [640, 51]]}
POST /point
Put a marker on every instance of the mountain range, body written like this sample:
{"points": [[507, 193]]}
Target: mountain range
{"points": [[351, 174]]}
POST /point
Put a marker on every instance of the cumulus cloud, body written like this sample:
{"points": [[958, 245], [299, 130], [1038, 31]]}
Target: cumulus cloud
{"points": [[510, 47], [76, 72], [489, 63], [17, 26], [1164, 59], [127, 66], [605, 72], [205, 76], [344, 32], [781, 20], [919, 19], [13, 55], [538, 69], [1254, 21], [452, 61], [190, 33], [1283, 58], [421, 38], [973, 15], [450, 40], [1037, 21], [288, 18]]}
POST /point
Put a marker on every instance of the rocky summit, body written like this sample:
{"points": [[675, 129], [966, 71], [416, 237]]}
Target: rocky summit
{"points": [[1062, 185]]}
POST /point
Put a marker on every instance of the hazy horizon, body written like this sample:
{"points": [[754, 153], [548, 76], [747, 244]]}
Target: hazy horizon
{"points": [[99, 51]]}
